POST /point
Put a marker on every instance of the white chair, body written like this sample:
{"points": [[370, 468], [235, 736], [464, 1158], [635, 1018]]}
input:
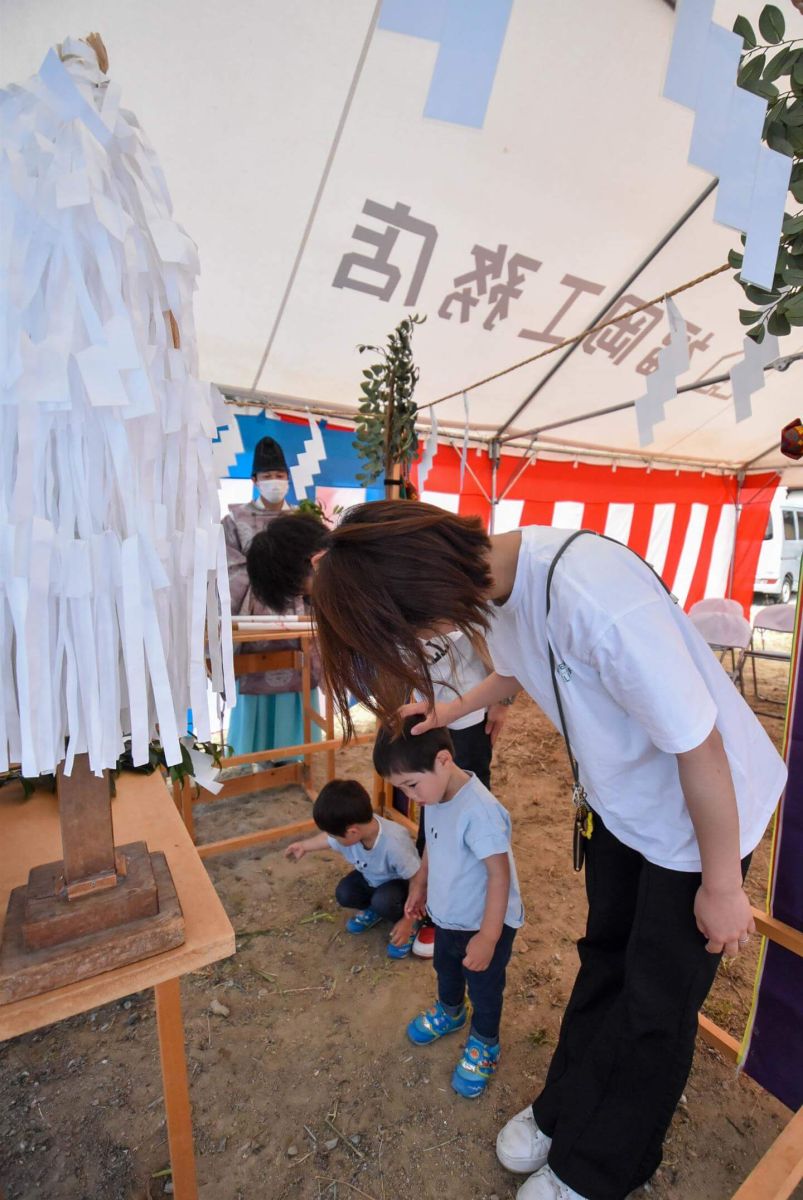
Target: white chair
{"points": [[778, 617], [775, 618], [717, 604], [725, 630]]}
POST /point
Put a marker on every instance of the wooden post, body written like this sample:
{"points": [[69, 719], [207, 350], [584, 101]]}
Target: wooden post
{"points": [[392, 469], [330, 734], [306, 702], [86, 829]]}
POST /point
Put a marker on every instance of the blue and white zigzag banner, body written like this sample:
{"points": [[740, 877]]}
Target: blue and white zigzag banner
{"points": [[309, 460]]}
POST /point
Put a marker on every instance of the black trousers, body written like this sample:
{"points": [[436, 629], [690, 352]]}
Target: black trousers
{"points": [[485, 988], [627, 1038], [472, 752], [353, 891]]}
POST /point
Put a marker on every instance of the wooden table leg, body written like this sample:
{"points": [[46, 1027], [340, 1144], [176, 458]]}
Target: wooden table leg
{"points": [[306, 704], [176, 1089], [330, 733]]}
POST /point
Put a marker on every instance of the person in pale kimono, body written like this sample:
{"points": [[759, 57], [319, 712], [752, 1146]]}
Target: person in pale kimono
{"points": [[269, 710]]}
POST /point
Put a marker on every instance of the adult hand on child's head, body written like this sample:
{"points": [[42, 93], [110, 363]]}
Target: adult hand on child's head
{"points": [[431, 718], [724, 918], [296, 851]]}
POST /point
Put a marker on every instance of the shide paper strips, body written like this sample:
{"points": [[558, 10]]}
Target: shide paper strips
{"points": [[673, 361], [112, 561], [726, 139]]}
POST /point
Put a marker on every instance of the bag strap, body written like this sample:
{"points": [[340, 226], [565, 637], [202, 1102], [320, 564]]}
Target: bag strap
{"points": [[578, 791]]}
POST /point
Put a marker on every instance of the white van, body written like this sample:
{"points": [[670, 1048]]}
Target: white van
{"points": [[778, 570]]}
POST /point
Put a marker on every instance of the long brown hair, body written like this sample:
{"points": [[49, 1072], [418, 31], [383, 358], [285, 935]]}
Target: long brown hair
{"points": [[393, 569]]}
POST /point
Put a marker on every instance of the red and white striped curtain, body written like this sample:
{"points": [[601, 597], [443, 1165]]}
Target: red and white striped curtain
{"points": [[701, 532]]}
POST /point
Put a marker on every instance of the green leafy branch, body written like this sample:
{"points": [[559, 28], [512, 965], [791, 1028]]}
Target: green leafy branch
{"points": [[179, 771], [156, 759], [777, 310], [312, 508], [386, 415]]}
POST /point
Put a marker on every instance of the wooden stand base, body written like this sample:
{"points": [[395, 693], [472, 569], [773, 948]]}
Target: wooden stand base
{"points": [[52, 916], [50, 941]]}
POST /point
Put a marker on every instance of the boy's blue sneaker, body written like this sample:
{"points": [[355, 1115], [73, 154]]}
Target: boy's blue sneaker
{"points": [[476, 1067], [362, 921], [404, 949], [435, 1023]]}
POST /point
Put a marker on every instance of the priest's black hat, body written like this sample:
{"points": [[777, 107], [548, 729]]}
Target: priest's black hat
{"points": [[268, 456]]}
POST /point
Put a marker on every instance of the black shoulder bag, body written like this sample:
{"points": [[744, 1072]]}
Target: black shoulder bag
{"points": [[583, 816]]}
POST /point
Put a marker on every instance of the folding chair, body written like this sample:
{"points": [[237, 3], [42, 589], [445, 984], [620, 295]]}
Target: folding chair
{"points": [[778, 618], [717, 604], [726, 631]]}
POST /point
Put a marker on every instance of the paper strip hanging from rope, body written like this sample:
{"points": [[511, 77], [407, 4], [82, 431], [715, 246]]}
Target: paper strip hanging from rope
{"points": [[673, 361], [747, 375], [726, 139], [111, 564], [464, 453], [430, 450], [309, 460]]}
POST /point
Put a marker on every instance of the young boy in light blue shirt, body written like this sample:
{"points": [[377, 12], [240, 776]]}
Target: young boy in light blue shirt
{"points": [[381, 853], [469, 888]]}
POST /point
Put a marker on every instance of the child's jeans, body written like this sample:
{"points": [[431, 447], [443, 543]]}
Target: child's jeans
{"points": [[387, 900], [485, 988]]}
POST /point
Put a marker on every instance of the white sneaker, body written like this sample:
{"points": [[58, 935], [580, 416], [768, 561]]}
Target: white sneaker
{"points": [[545, 1185], [521, 1146]]}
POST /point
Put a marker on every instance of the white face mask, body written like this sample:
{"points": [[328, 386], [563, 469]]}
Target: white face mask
{"points": [[273, 490]]}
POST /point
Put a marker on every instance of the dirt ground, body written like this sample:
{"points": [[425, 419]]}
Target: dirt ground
{"points": [[308, 1088]]}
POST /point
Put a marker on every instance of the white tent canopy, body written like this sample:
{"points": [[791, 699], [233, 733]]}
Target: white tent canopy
{"points": [[529, 138]]}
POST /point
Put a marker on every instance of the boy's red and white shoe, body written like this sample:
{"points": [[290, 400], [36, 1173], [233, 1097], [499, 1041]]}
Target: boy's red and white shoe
{"points": [[424, 944]]}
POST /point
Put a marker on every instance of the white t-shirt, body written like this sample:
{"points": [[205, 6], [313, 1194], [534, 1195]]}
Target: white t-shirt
{"points": [[461, 832], [644, 687], [392, 856], [455, 668]]}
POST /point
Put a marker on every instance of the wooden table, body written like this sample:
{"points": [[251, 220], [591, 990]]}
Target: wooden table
{"points": [[186, 794], [142, 810]]}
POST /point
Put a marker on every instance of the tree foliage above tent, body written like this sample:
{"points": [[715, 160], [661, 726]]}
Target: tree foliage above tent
{"points": [[778, 78], [386, 432]]}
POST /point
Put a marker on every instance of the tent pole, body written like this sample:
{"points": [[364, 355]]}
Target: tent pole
{"points": [[738, 506], [645, 262], [493, 451]]}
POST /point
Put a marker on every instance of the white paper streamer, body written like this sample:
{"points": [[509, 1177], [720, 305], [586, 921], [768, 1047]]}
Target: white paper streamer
{"points": [[726, 140], [204, 771], [673, 361], [111, 565], [464, 452], [430, 450], [309, 460], [747, 376]]}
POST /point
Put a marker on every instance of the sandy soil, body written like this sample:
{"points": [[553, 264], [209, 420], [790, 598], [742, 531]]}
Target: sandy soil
{"points": [[309, 1088]]}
